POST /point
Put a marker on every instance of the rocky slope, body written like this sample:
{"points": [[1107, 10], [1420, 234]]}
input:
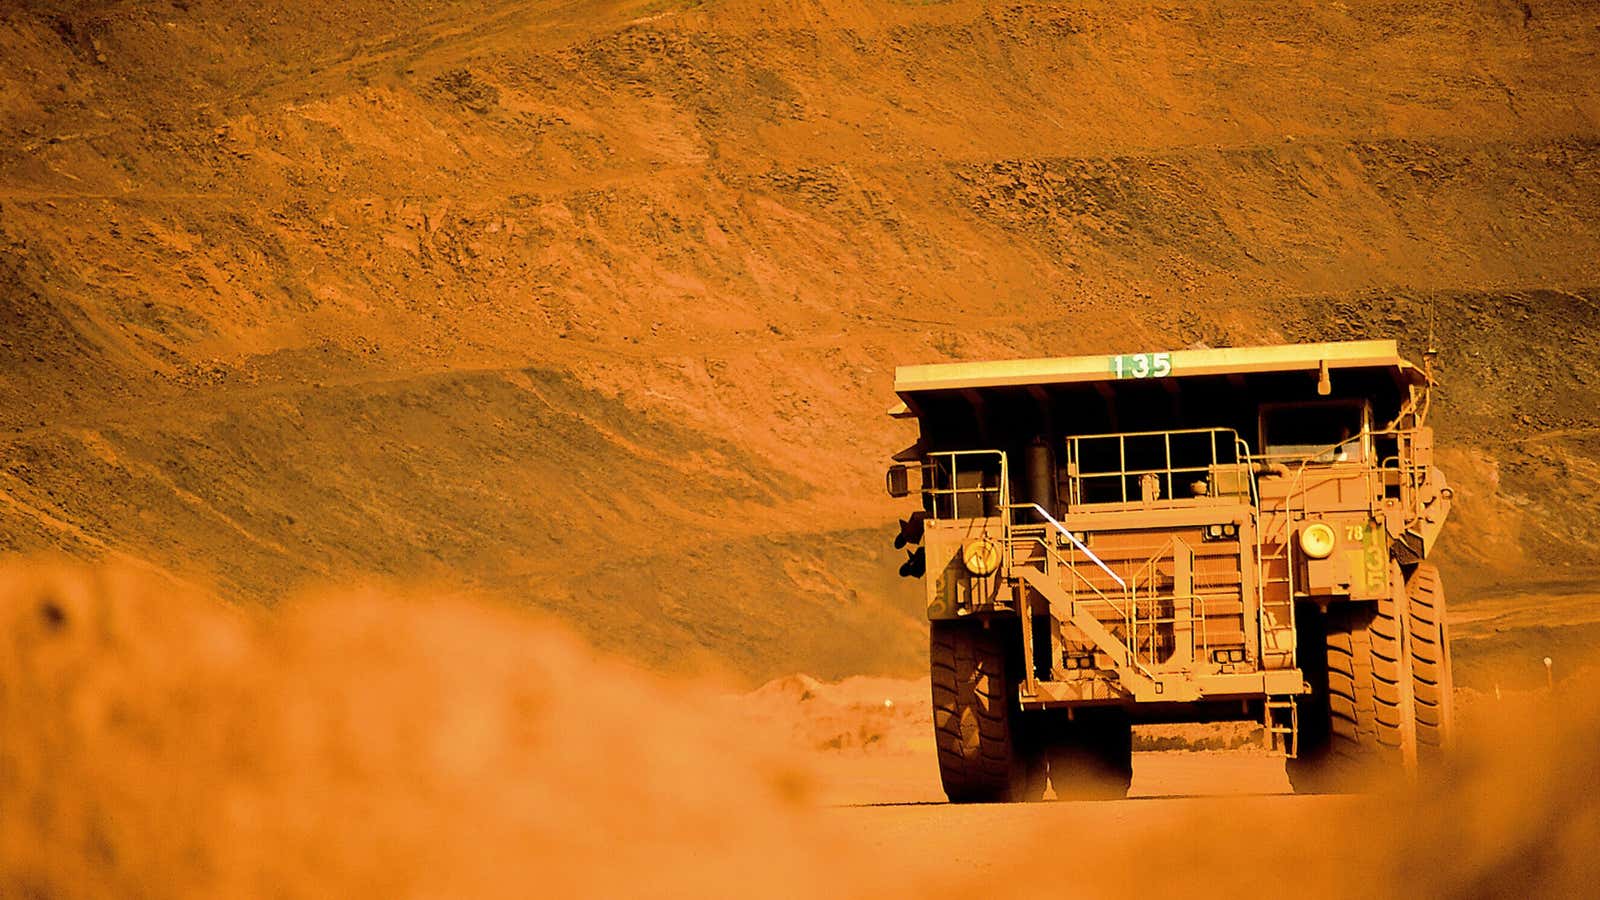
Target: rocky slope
{"points": [[595, 306]]}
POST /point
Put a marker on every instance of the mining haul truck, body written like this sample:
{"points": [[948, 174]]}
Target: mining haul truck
{"points": [[1196, 536]]}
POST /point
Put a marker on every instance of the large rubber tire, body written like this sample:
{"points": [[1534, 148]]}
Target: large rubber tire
{"points": [[1431, 678], [1091, 757], [985, 754], [1357, 727], [1369, 685]]}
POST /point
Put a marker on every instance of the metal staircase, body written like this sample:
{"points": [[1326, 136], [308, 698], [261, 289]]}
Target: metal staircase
{"points": [[1133, 669], [1280, 715]]}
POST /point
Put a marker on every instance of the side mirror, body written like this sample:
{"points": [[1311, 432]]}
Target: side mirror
{"points": [[913, 528], [897, 481], [916, 564]]}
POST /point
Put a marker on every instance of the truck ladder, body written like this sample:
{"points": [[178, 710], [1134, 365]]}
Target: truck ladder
{"points": [[1281, 723]]}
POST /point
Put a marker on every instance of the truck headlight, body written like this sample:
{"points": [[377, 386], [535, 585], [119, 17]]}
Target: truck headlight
{"points": [[981, 557], [1317, 540]]}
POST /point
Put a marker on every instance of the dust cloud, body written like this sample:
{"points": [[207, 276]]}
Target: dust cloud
{"points": [[155, 742], [1519, 815]]}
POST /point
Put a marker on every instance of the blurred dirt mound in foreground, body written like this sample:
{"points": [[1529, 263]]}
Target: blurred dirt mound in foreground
{"points": [[154, 743]]}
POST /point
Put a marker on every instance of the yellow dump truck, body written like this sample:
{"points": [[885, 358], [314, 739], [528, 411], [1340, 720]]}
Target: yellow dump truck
{"points": [[1187, 536]]}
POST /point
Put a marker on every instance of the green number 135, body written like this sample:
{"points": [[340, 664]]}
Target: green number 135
{"points": [[1142, 365]]}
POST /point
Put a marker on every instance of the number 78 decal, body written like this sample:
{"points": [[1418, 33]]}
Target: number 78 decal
{"points": [[1142, 365]]}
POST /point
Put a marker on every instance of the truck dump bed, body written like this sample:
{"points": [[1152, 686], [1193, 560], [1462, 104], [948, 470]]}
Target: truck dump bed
{"points": [[992, 403], [1381, 355]]}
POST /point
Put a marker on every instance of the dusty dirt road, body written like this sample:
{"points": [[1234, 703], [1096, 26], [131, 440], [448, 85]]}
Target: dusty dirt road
{"points": [[1517, 818], [884, 802], [893, 809], [904, 781], [166, 744]]}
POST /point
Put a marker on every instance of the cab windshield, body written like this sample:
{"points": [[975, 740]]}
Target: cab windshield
{"points": [[1322, 433]]}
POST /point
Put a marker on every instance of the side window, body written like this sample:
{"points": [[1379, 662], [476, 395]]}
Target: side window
{"points": [[1315, 432]]}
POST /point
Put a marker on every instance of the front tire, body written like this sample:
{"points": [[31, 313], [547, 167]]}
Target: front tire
{"points": [[1359, 721], [984, 755]]}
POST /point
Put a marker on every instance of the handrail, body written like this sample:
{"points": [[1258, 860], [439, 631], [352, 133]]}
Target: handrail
{"points": [[1283, 538], [1000, 490], [1155, 432], [1055, 554], [1125, 607], [1075, 542], [1228, 437], [1410, 476]]}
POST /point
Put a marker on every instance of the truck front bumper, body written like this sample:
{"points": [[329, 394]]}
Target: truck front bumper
{"points": [[1104, 688]]}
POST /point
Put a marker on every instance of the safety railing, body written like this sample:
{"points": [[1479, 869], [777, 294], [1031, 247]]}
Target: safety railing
{"points": [[966, 484], [1147, 578], [1410, 476], [1123, 608], [1148, 468], [1137, 613], [1073, 539]]}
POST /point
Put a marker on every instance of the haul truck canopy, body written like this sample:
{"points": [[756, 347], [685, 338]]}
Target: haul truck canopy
{"points": [[1226, 361], [963, 405]]}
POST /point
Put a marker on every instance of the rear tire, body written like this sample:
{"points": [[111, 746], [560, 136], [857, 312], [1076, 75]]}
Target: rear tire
{"points": [[1091, 757], [984, 754], [1358, 723], [1432, 680]]}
